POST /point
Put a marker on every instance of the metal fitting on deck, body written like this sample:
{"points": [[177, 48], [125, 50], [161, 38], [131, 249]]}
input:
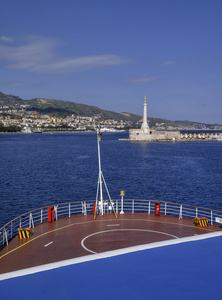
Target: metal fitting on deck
{"points": [[24, 233], [201, 222]]}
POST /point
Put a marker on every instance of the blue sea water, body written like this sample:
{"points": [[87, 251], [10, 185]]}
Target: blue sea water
{"points": [[38, 170]]}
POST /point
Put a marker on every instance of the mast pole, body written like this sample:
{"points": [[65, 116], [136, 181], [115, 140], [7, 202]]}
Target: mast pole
{"points": [[100, 173]]}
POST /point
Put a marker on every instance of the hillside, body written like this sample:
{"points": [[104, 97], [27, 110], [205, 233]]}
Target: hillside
{"points": [[64, 108], [59, 108], [10, 100]]}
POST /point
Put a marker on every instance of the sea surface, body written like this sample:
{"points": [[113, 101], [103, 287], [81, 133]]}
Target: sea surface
{"points": [[38, 170]]}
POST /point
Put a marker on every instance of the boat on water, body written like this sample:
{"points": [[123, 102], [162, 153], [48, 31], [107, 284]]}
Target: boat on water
{"points": [[118, 248]]}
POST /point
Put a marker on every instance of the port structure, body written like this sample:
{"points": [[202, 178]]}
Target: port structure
{"points": [[100, 203]]}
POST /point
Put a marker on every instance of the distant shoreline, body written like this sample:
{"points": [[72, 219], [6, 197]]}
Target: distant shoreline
{"points": [[62, 131]]}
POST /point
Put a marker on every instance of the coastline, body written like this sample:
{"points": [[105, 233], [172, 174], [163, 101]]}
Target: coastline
{"points": [[169, 141], [62, 131]]}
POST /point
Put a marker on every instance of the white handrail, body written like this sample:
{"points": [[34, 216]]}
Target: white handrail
{"points": [[82, 208]]}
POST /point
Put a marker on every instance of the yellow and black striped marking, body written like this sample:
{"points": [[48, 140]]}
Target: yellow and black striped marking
{"points": [[201, 222], [24, 233]]}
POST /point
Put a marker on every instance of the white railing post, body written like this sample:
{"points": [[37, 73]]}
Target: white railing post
{"points": [[41, 216], [117, 209], [84, 208], [31, 222], [133, 207], [180, 215], [165, 208], [5, 235], [196, 212], [211, 217], [56, 211], [149, 208], [20, 223], [69, 210]]}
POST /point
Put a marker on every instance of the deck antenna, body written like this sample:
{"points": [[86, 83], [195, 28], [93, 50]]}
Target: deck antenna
{"points": [[100, 202]]}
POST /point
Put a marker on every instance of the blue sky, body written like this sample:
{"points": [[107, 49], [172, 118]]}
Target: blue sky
{"points": [[111, 53]]}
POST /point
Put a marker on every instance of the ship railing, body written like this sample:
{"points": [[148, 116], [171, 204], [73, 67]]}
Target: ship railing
{"points": [[132, 206]]}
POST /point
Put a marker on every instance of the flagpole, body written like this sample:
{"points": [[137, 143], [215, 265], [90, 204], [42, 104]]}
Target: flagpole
{"points": [[100, 173]]}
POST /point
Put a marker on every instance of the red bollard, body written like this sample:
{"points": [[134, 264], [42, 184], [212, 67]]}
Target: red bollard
{"points": [[157, 208], [51, 214]]}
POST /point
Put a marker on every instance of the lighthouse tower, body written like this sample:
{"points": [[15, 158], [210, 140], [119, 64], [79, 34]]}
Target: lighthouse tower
{"points": [[145, 126]]}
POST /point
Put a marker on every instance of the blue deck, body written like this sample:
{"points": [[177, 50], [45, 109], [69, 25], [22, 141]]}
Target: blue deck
{"points": [[175, 271]]}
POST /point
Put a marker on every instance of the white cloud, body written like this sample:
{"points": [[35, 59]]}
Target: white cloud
{"points": [[38, 55], [142, 80], [77, 64], [167, 63], [6, 39]]}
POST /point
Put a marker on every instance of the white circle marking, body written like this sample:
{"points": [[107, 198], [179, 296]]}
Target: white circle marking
{"points": [[105, 231]]}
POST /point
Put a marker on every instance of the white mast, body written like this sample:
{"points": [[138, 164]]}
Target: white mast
{"points": [[100, 184], [100, 203], [145, 126]]}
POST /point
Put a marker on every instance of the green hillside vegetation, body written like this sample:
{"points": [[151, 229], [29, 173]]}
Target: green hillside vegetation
{"points": [[65, 108], [154, 121], [10, 100]]}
